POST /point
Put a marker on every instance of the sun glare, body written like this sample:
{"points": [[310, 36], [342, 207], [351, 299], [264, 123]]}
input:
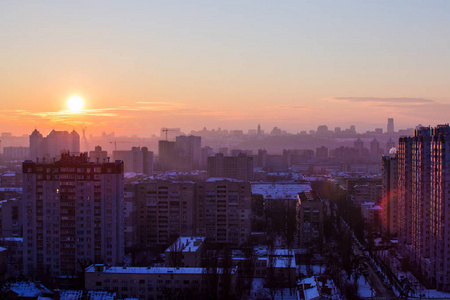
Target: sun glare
{"points": [[75, 104]]}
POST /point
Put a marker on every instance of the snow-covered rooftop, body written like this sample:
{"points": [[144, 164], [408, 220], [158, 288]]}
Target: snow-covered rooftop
{"points": [[29, 289], [280, 190], [147, 270], [186, 244]]}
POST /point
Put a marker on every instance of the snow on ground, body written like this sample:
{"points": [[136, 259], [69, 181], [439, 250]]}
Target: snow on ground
{"points": [[313, 269], [364, 289], [258, 291]]}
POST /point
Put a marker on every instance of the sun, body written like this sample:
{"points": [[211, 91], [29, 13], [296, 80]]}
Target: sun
{"points": [[75, 104]]}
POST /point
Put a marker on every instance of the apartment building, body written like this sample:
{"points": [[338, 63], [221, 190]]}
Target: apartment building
{"points": [[73, 212]]}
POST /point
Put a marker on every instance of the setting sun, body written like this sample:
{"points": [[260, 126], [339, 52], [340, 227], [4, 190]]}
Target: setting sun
{"points": [[75, 104]]}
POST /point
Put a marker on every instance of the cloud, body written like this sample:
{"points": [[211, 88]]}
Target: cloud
{"points": [[379, 100], [284, 106]]}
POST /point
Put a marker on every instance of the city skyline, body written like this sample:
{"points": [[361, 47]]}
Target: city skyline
{"points": [[144, 65]]}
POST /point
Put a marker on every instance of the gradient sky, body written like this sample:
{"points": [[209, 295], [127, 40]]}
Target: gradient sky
{"points": [[142, 65]]}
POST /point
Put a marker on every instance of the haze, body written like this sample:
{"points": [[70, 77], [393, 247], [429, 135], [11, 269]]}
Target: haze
{"points": [[143, 65]]}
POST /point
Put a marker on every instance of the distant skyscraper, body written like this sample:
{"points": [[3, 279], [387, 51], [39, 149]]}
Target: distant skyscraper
{"points": [[390, 125], [374, 148], [189, 152], [73, 215], [138, 160], [237, 167], [51, 146], [389, 145], [359, 146]]}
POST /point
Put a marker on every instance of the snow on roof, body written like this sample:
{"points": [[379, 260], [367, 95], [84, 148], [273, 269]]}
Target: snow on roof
{"points": [[186, 244], [29, 289], [2, 249], [11, 239], [147, 270], [284, 262], [280, 190], [215, 179]]}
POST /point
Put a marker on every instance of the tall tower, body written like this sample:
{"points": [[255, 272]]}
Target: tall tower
{"points": [[389, 191], [390, 125], [73, 215]]}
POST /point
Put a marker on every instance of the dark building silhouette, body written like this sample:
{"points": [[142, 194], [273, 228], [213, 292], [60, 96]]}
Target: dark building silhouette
{"points": [[237, 167], [51, 146]]}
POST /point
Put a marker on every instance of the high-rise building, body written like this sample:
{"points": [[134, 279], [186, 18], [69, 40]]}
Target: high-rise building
{"points": [[389, 145], [390, 125], [359, 146], [237, 167], [389, 203], [138, 160], [322, 152], [189, 152], [73, 215], [51, 146], [218, 209], [167, 157], [440, 207], [164, 211], [98, 155], [404, 155], [224, 211], [374, 148], [424, 201], [420, 222]]}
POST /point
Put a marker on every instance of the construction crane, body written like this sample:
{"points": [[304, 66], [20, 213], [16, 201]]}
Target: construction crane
{"points": [[115, 144], [164, 129]]}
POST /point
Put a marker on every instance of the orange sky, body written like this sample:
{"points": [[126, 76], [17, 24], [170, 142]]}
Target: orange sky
{"points": [[145, 65]]}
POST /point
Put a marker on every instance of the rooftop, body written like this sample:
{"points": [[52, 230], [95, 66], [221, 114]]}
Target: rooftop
{"points": [[186, 244], [280, 190]]}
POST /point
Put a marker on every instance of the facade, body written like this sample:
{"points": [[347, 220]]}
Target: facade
{"points": [[423, 203], [137, 160], [98, 155], [16, 153], [224, 211], [440, 207], [310, 219], [322, 152], [390, 125], [154, 283], [167, 157], [420, 222], [237, 167], [73, 212], [11, 220], [164, 211], [404, 155], [189, 152], [389, 202]]}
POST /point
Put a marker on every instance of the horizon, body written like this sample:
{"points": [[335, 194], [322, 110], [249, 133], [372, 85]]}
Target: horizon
{"points": [[145, 65]]}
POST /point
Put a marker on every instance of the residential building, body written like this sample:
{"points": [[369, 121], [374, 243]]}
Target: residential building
{"points": [[50, 147], [310, 219], [73, 212], [237, 167], [389, 202]]}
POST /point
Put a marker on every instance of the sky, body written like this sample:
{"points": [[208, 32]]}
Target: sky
{"points": [[143, 65]]}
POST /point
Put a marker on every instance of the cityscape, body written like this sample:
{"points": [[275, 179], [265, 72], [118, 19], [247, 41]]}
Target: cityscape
{"points": [[224, 150]]}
